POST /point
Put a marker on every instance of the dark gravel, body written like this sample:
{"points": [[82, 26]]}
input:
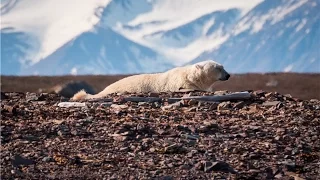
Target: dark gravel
{"points": [[270, 136]]}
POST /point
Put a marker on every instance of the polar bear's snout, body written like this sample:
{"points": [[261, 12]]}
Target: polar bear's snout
{"points": [[224, 75], [227, 77]]}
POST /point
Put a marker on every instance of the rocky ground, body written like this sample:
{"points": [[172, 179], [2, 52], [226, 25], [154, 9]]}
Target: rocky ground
{"points": [[269, 136]]}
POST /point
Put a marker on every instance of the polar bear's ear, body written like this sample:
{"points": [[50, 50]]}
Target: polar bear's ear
{"points": [[198, 66]]}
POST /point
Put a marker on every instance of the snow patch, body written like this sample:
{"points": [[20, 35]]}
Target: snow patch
{"points": [[288, 68], [258, 24], [301, 25], [295, 43], [74, 71], [194, 49], [242, 26], [307, 31], [275, 15], [292, 23], [281, 12], [207, 26]]}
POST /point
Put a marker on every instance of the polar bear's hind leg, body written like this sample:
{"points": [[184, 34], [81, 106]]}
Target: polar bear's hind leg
{"points": [[80, 95]]}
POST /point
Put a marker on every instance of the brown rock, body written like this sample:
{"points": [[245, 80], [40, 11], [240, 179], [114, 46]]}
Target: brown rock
{"points": [[18, 160], [3, 96], [218, 166], [213, 106], [10, 109], [174, 148], [224, 106], [152, 94], [271, 103], [239, 105], [144, 142]]}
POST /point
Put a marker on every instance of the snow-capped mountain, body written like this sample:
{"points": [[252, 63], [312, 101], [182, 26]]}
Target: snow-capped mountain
{"points": [[274, 36], [101, 51], [54, 37], [149, 26]]}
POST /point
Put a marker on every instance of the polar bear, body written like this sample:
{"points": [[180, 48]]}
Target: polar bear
{"points": [[199, 76]]}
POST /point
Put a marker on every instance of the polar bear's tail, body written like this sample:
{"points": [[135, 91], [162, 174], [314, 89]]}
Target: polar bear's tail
{"points": [[82, 95]]}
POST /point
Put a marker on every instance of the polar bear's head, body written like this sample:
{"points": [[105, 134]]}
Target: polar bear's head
{"points": [[205, 73]]}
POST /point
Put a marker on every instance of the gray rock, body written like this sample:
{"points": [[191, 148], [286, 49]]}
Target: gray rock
{"points": [[46, 159], [153, 94], [71, 104], [213, 106], [192, 109], [33, 97], [175, 105], [166, 178], [239, 105], [3, 96], [271, 103], [224, 105], [107, 104], [185, 167], [19, 160], [218, 166], [189, 136], [142, 104], [174, 148]]}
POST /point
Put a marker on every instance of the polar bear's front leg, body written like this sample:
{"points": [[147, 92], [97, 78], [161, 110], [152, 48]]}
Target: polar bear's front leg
{"points": [[185, 90], [210, 89]]}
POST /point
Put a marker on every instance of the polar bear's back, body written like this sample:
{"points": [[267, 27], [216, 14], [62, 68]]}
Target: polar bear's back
{"points": [[171, 80], [135, 83]]}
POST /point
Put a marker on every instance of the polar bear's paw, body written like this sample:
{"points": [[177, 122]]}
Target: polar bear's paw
{"points": [[79, 95]]}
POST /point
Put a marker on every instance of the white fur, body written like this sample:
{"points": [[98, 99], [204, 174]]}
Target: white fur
{"points": [[199, 76]]}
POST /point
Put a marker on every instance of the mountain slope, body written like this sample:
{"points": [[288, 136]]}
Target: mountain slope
{"points": [[274, 36], [101, 51]]}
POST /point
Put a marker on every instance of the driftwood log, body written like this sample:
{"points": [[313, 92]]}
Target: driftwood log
{"points": [[215, 98], [127, 99]]}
